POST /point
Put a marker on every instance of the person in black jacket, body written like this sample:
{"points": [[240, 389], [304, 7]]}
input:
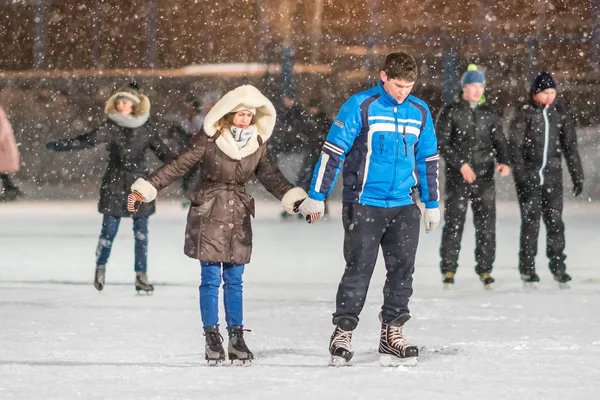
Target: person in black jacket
{"points": [[127, 134], [317, 128], [540, 133], [471, 141]]}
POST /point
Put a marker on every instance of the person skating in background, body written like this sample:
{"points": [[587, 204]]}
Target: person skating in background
{"points": [[127, 134], [231, 149], [317, 127], [541, 133], [9, 159], [472, 142], [287, 144], [385, 139]]}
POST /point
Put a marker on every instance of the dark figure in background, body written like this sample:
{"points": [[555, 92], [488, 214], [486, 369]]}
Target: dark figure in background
{"points": [[127, 134], [288, 140], [471, 141], [541, 133], [317, 127]]}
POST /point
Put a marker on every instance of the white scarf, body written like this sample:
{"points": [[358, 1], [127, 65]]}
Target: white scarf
{"points": [[129, 121], [241, 136]]}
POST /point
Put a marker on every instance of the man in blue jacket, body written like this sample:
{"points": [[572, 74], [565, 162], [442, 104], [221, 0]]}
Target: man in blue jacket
{"points": [[385, 139]]}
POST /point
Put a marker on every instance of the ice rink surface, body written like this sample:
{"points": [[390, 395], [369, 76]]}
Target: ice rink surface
{"points": [[60, 339]]}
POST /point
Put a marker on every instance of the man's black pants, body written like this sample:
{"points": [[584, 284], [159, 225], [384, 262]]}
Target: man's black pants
{"points": [[544, 202], [482, 195], [367, 228]]}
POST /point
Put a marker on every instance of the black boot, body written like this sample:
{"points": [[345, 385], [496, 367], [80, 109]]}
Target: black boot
{"points": [[530, 279], [99, 277], [141, 283], [394, 350], [237, 350], [214, 353], [448, 279], [487, 280], [562, 278], [340, 344]]}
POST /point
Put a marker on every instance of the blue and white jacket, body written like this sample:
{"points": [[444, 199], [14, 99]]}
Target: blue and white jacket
{"points": [[388, 151]]}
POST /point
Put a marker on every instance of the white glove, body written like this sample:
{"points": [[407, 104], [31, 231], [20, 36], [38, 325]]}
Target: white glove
{"points": [[312, 208], [431, 219]]}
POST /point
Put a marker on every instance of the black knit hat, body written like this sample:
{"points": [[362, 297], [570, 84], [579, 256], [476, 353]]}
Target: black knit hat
{"points": [[542, 81]]}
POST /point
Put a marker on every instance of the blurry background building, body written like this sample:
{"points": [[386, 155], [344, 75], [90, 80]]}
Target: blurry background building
{"points": [[59, 60]]}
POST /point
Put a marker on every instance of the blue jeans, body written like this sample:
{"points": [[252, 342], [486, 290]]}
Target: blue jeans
{"points": [[110, 227], [210, 274]]}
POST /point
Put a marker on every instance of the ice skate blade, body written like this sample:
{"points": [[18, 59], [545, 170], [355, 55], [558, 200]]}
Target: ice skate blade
{"points": [[488, 287], [146, 292], [337, 361], [448, 286], [386, 360], [214, 363], [564, 285], [241, 363], [530, 285]]}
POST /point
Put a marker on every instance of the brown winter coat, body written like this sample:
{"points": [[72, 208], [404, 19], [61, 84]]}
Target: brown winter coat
{"points": [[219, 220], [9, 154]]}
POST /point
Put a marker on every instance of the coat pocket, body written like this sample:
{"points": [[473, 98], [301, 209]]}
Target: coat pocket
{"points": [[204, 208]]}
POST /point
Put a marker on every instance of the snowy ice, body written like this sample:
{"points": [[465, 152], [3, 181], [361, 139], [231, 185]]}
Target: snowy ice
{"points": [[61, 339]]}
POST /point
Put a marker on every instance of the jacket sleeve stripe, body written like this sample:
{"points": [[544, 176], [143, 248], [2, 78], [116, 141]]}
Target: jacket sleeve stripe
{"points": [[321, 172], [333, 148]]}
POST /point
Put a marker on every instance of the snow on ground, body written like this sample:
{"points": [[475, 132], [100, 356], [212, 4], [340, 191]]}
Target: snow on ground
{"points": [[60, 339]]}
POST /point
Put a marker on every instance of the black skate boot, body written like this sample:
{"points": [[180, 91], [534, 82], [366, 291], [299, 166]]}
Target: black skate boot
{"points": [[530, 279], [238, 351], [340, 345], [487, 280], [99, 277], [394, 350], [562, 278], [214, 353], [448, 280], [142, 284]]}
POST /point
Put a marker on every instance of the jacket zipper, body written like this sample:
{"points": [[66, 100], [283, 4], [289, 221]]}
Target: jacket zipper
{"points": [[546, 140], [395, 152]]}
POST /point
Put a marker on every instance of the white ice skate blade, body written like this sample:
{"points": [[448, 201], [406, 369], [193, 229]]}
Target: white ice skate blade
{"points": [[386, 360], [145, 292], [214, 363], [488, 287], [530, 285], [336, 361], [564, 285], [448, 286], [241, 363]]}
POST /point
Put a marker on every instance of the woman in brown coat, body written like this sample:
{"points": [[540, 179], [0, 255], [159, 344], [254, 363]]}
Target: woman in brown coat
{"points": [[9, 159], [231, 149]]}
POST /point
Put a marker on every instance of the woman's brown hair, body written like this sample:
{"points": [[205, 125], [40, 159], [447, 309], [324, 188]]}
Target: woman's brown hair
{"points": [[226, 121]]}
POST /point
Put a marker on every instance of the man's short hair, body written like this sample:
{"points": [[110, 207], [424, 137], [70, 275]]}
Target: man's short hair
{"points": [[400, 65]]}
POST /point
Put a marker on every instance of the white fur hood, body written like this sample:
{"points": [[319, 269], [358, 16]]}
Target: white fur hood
{"points": [[248, 96]]}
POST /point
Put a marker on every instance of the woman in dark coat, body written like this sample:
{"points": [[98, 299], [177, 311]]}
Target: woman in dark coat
{"points": [[127, 134], [231, 149]]}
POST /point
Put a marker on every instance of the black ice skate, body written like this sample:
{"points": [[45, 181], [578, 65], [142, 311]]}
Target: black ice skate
{"points": [[238, 351], [487, 280], [448, 280], [562, 278], [142, 284], [394, 350], [340, 347], [214, 353], [530, 280], [99, 277]]}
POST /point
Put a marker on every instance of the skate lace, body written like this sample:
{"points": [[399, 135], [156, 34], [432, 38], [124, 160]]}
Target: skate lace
{"points": [[213, 337], [396, 338], [342, 339]]}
